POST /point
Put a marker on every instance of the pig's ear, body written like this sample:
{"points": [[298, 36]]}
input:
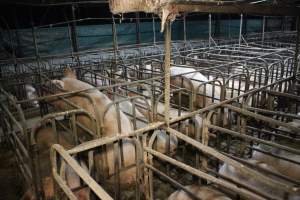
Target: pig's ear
{"points": [[70, 73], [58, 83]]}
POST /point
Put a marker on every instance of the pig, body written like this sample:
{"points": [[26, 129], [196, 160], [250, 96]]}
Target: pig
{"points": [[194, 124], [253, 183], [109, 126], [31, 93], [201, 192], [192, 82], [284, 167], [160, 144]]}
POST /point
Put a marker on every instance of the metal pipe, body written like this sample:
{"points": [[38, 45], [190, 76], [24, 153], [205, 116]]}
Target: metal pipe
{"points": [[137, 29], [184, 29], [209, 30], [115, 42], [73, 30], [296, 59], [153, 29], [57, 149], [241, 29], [167, 70]]}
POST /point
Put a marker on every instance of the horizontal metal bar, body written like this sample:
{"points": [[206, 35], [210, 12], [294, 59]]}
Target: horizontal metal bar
{"points": [[107, 140]]}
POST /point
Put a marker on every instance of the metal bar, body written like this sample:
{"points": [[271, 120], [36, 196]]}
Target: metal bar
{"points": [[296, 60], [209, 30], [73, 30], [213, 106], [153, 29], [184, 29], [93, 185], [167, 70], [137, 28], [246, 8], [241, 30], [106, 140], [115, 43]]}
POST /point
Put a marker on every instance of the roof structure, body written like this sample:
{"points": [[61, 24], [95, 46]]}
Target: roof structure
{"points": [[259, 7], [169, 9]]}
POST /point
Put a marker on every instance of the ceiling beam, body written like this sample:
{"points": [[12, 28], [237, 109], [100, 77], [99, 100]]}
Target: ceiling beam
{"points": [[245, 8]]}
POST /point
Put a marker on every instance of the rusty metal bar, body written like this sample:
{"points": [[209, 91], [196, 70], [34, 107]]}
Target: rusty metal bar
{"points": [[106, 140], [92, 184], [296, 58], [167, 70]]}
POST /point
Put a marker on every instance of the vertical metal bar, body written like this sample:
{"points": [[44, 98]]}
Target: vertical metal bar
{"points": [[241, 29], [229, 26], [263, 31], [137, 28], [73, 30], [115, 44], [245, 24], [296, 60], [167, 70], [184, 28], [209, 30], [74, 129], [19, 52], [37, 57], [153, 28]]}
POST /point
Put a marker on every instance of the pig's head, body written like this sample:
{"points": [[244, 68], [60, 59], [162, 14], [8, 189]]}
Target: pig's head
{"points": [[161, 142], [69, 73]]}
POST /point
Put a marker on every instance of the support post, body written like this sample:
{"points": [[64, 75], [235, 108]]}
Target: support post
{"points": [[184, 28], [245, 24], [153, 28], [115, 43], [241, 29], [37, 56], [73, 30], [296, 60], [229, 26], [137, 28], [263, 30], [167, 71], [209, 30]]}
